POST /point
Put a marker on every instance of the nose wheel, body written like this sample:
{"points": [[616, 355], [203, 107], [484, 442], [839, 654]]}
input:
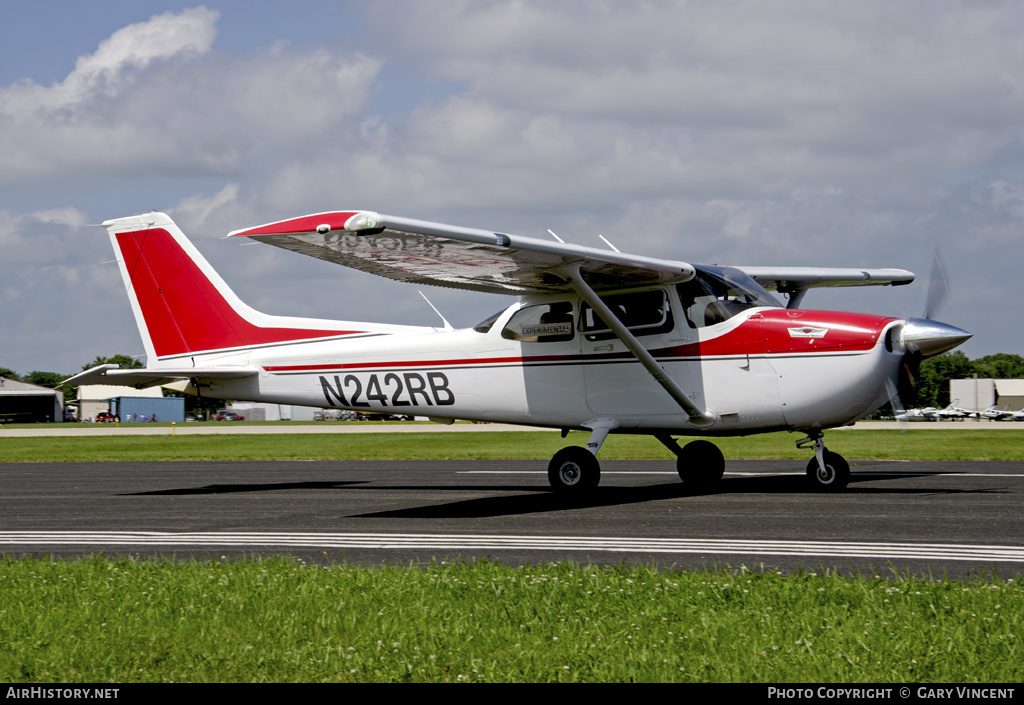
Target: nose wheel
{"points": [[826, 471]]}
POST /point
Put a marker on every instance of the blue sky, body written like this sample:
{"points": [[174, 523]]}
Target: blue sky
{"points": [[796, 133]]}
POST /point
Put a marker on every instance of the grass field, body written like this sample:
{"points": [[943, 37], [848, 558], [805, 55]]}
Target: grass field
{"points": [[124, 621], [853, 444]]}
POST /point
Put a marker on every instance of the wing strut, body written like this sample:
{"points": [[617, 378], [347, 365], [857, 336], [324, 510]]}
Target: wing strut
{"points": [[698, 416]]}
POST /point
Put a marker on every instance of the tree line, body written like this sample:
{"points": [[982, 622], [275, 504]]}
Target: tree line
{"points": [[932, 387]]}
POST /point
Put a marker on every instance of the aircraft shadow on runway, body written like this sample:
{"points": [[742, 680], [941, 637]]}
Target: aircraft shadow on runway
{"points": [[540, 499], [546, 501], [249, 487]]}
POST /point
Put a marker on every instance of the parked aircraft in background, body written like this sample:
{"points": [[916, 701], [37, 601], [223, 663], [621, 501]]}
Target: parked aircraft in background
{"points": [[994, 414], [597, 340], [930, 413]]}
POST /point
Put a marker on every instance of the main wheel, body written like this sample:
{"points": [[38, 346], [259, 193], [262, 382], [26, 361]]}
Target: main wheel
{"points": [[700, 466], [833, 478], [574, 470]]}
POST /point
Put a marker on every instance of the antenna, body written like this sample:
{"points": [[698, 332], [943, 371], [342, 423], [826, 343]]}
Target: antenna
{"points": [[555, 236], [609, 244], [447, 325]]}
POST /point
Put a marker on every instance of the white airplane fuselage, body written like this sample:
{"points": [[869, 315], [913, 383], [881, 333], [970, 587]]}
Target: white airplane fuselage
{"points": [[755, 376]]}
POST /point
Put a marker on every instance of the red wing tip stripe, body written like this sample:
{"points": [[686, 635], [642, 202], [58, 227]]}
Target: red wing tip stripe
{"points": [[304, 224]]}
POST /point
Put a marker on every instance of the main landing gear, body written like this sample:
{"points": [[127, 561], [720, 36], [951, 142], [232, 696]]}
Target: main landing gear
{"points": [[575, 470], [826, 471], [700, 464]]}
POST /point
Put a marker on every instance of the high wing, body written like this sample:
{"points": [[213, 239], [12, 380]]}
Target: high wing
{"points": [[795, 281], [422, 252], [152, 377], [466, 258]]}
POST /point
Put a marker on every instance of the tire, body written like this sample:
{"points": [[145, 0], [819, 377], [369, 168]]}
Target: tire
{"points": [[574, 470], [700, 466], [836, 475]]}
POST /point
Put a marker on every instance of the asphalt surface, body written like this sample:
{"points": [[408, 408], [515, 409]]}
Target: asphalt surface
{"points": [[952, 519]]}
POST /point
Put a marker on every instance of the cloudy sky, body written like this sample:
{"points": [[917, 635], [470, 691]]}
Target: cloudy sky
{"points": [[793, 133]]}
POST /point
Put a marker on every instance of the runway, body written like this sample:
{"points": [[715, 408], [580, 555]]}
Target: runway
{"points": [[937, 518]]}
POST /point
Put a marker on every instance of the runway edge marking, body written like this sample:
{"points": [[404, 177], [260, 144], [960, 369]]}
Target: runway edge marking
{"points": [[850, 549]]}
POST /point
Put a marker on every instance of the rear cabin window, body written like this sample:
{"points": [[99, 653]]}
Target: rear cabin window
{"points": [[643, 313], [544, 323], [485, 325]]}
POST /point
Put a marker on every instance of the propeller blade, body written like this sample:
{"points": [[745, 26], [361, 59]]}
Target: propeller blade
{"points": [[898, 409], [938, 286]]}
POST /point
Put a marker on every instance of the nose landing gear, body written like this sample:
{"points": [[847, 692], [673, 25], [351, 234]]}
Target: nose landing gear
{"points": [[826, 471]]}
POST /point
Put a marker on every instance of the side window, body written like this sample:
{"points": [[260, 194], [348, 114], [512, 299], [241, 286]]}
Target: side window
{"points": [[545, 323], [643, 313]]}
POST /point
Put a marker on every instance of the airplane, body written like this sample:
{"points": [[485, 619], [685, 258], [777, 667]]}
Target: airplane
{"points": [[994, 414], [597, 340], [931, 413], [927, 414], [953, 411]]}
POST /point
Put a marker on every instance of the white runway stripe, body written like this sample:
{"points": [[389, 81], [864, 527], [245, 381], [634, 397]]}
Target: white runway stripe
{"points": [[562, 544]]}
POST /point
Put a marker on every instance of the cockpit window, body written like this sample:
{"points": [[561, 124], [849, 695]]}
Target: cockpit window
{"points": [[716, 294]]}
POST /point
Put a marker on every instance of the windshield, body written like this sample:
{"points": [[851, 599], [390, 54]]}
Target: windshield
{"points": [[717, 294]]}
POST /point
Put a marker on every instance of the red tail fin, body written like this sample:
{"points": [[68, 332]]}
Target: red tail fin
{"points": [[183, 307]]}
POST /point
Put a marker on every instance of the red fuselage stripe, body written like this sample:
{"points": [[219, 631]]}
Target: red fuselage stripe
{"points": [[766, 334]]}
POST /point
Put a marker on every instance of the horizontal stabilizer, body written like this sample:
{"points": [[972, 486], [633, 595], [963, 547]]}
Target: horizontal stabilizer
{"points": [[110, 374]]}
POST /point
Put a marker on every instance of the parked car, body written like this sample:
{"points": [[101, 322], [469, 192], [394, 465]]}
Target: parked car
{"points": [[105, 417], [225, 415]]}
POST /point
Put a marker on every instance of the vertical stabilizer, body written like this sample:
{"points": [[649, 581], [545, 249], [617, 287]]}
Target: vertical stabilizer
{"points": [[183, 307]]}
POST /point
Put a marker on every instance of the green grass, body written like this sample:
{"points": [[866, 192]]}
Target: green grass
{"points": [[853, 444], [123, 620]]}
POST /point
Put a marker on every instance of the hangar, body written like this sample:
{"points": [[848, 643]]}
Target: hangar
{"points": [[22, 402], [979, 394]]}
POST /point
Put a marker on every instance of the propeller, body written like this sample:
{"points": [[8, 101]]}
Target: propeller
{"points": [[925, 337], [938, 287]]}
